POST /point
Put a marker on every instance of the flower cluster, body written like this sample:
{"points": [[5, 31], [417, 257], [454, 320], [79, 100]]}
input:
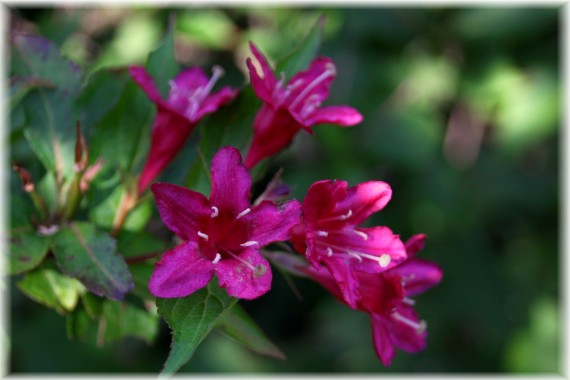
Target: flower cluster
{"points": [[367, 268]]}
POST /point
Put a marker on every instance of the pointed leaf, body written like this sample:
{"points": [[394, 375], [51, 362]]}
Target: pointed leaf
{"points": [[52, 289], [301, 57], [192, 318], [27, 249], [123, 319], [239, 325], [90, 255]]}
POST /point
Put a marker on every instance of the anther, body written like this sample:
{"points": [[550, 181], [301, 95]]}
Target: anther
{"points": [[419, 327], [217, 258], [322, 233], [340, 217], [249, 243], [259, 270], [408, 301], [243, 213], [384, 260], [329, 252], [203, 235], [361, 234], [215, 212], [346, 216]]}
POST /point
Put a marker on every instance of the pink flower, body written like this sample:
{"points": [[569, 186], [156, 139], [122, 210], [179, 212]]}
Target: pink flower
{"points": [[386, 297], [188, 101], [289, 108], [330, 235], [222, 234]]}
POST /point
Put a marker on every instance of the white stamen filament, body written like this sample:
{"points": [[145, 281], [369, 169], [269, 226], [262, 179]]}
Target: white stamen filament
{"points": [[419, 327], [322, 233], [361, 234], [243, 213], [217, 258], [383, 260], [202, 92], [409, 301], [203, 235], [355, 255], [215, 212], [340, 217], [249, 243], [329, 71], [246, 263], [329, 252]]}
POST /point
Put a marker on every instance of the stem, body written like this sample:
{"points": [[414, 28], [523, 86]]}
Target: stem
{"points": [[127, 203]]}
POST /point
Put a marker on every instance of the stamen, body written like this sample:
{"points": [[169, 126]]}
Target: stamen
{"points": [[361, 234], [202, 92], [340, 217], [419, 327], [409, 301], [259, 270], [329, 252], [384, 260], [330, 70], [243, 213], [322, 233], [215, 212], [217, 258], [244, 262], [203, 235], [355, 255], [249, 243]]}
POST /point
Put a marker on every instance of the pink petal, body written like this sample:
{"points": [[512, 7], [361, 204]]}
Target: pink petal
{"points": [[262, 85], [309, 85], [364, 200], [405, 336], [212, 102], [145, 81], [181, 209], [231, 182], [169, 133], [346, 280], [415, 244], [180, 272], [270, 223], [190, 80], [240, 280], [320, 201], [381, 293], [419, 275], [381, 338], [273, 130], [340, 115]]}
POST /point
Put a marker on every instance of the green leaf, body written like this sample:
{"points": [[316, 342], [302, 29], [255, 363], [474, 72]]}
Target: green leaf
{"points": [[239, 325], [161, 64], [122, 319], [90, 255], [52, 289], [191, 319], [27, 249], [20, 87], [301, 57], [231, 125], [50, 120], [93, 304], [141, 273]]}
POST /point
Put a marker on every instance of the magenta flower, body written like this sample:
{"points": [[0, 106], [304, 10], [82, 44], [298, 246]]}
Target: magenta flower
{"points": [[288, 108], [188, 101], [330, 235], [222, 234], [386, 297]]}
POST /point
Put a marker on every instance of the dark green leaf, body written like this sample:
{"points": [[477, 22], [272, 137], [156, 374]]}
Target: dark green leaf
{"points": [[104, 213], [90, 255], [52, 289], [141, 273], [122, 319], [93, 304], [27, 249], [191, 320], [20, 87], [301, 57], [161, 64], [239, 325]]}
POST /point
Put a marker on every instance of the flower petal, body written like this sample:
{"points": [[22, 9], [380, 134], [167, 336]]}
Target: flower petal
{"points": [[314, 83], [240, 280], [364, 200], [339, 115], [181, 209], [262, 85], [270, 223], [320, 201], [415, 244], [345, 278], [419, 275], [180, 272], [169, 133], [381, 338], [405, 336], [212, 102], [231, 182], [145, 81], [273, 131]]}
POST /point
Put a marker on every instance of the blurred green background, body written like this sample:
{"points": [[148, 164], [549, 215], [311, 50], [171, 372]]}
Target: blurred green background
{"points": [[462, 114]]}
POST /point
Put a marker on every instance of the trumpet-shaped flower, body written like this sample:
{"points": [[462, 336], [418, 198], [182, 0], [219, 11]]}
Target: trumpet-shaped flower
{"points": [[223, 234], [189, 99], [329, 233], [288, 108]]}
